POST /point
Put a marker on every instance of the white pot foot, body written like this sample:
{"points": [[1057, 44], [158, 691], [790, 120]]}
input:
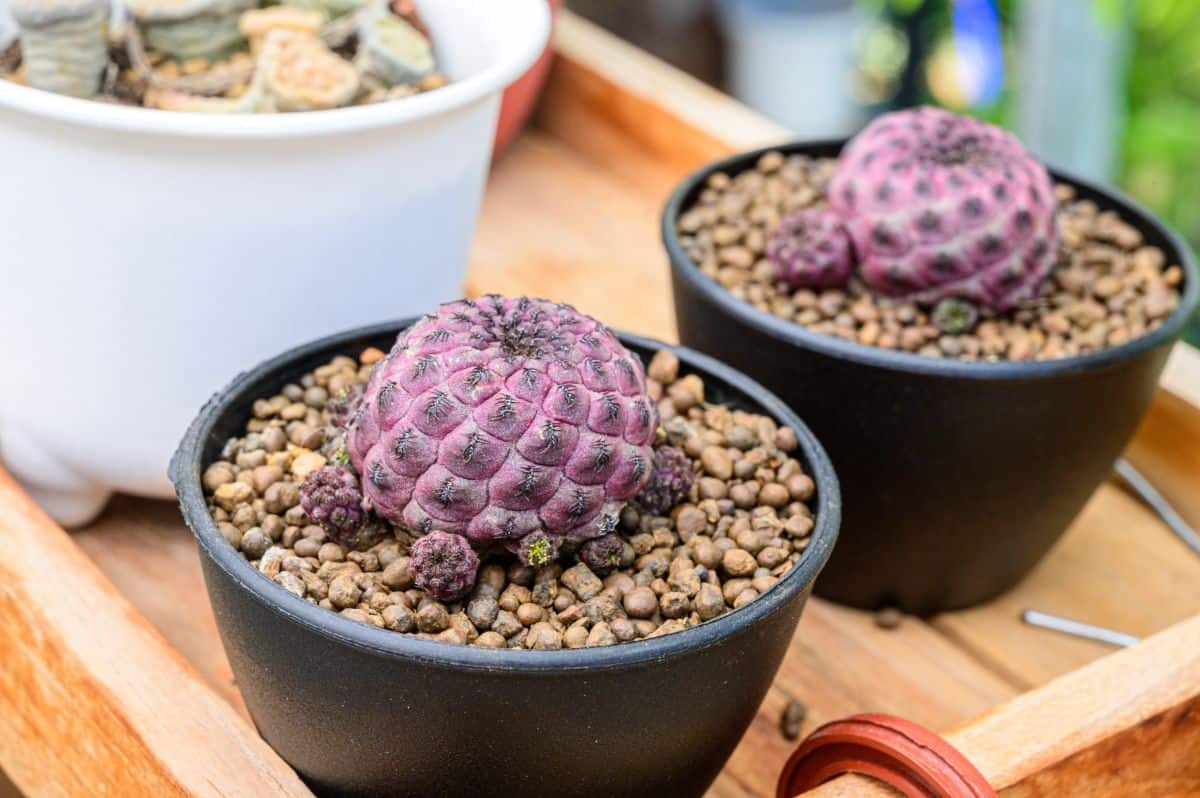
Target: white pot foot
{"points": [[69, 499]]}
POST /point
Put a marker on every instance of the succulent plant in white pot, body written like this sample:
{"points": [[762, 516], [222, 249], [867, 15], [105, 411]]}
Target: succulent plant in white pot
{"points": [[197, 237], [64, 43]]}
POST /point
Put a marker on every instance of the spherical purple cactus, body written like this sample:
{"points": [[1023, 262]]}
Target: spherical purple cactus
{"points": [[499, 417], [602, 554], [670, 481], [333, 500], [443, 565], [942, 205], [810, 249]]}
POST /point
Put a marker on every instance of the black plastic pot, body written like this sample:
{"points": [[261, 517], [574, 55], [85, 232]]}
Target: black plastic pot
{"points": [[958, 476], [360, 711]]}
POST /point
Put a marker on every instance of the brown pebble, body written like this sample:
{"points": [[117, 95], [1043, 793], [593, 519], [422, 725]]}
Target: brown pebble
{"points": [[580, 580], [641, 602], [398, 574], [543, 637], [774, 495], [792, 719], [432, 617], [344, 592], [507, 624], [737, 562], [490, 640], [745, 597], [716, 461], [709, 603], [663, 367], [707, 554], [530, 613], [888, 618], [674, 604], [399, 618], [601, 635], [576, 636], [689, 521]]}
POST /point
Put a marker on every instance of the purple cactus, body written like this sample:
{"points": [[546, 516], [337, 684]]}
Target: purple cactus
{"points": [[444, 565], [496, 418], [332, 499], [602, 554], [537, 549], [941, 205], [810, 249], [670, 481]]}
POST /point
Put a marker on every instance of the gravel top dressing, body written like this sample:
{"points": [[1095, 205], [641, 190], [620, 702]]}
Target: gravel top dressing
{"points": [[723, 517], [967, 278]]}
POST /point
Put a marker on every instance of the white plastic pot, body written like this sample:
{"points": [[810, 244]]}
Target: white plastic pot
{"points": [[146, 256]]}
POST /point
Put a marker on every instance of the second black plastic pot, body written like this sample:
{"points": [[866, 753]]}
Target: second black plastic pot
{"points": [[360, 711], [958, 476]]}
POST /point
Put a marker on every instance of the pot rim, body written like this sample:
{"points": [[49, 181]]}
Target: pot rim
{"points": [[188, 461], [529, 18], [830, 346]]}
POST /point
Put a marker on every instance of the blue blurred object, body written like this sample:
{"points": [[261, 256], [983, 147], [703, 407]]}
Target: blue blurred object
{"points": [[980, 49]]}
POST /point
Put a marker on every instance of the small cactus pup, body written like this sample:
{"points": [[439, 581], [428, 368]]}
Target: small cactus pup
{"points": [[940, 205], [343, 405], [537, 549], [671, 479], [954, 316], [809, 248], [184, 29], [499, 418], [332, 499], [602, 554], [444, 565], [390, 49], [64, 44]]}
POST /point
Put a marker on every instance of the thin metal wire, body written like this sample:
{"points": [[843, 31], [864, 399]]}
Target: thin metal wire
{"points": [[1057, 623], [1156, 502]]}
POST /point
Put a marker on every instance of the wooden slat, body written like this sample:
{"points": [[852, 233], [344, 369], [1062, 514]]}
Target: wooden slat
{"points": [[1124, 726], [92, 699]]}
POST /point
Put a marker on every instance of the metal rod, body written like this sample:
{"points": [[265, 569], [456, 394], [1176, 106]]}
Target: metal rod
{"points": [[1056, 623], [1150, 495]]}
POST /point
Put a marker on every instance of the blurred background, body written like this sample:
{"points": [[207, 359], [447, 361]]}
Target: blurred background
{"points": [[1108, 89]]}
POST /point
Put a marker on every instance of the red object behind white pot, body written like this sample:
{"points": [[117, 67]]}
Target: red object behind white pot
{"points": [[521, 97]]}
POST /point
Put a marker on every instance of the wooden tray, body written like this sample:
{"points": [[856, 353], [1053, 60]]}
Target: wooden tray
{"points": [[113, 680]]}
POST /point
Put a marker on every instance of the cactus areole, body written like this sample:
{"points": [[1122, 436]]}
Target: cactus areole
{"points": [[499, 418], [935, 205]]}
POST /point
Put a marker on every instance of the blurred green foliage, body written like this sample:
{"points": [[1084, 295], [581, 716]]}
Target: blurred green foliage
{"points": [[1161, 150]]}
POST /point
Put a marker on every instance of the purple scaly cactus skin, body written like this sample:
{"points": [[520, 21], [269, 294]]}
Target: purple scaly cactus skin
{"points": [[810, 249], [941, 205], [496, 418]]}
